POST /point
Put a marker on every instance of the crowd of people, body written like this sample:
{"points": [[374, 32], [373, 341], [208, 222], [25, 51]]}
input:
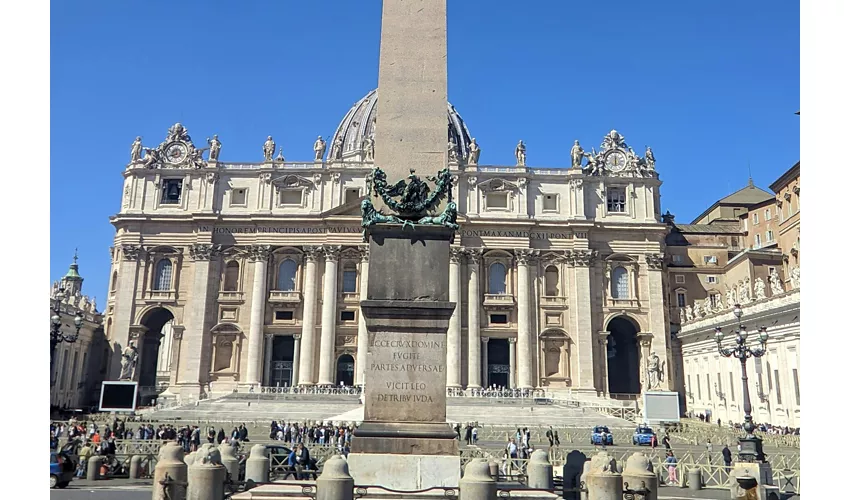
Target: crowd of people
{"points": [[782, 430], [313, 434]]}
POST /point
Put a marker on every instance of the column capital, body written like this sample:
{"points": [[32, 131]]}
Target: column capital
{"points": [[331, 252], [511, 340], [364, 253], [296, 336], [580, 258], [178, 331], [268, 336], [485, 339], [473, 255], [204, 251], [655, 261], [311, 253], [131, 252], [456, 254], [257, 253], [525, 256]]}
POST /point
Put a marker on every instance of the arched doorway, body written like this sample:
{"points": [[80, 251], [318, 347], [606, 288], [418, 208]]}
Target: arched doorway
{"points": [[154, 321], [345, 370], [623, 357], [283, 352], [498, 363]]}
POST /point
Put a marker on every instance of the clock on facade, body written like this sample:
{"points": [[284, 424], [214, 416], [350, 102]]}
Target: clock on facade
{"points": [[615, 161], [176, 152]]}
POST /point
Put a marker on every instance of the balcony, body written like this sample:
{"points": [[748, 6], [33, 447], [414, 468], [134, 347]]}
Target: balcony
{"points": [[351, 297], [280, 296], [499, 301], [161, 295], [231, 297], [552, 301], [622, 303]]}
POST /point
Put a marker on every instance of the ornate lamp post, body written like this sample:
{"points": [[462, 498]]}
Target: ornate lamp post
{"points": [[751, 446], [56, 334]]}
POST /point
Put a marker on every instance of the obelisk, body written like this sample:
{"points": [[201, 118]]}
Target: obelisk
{"points": [[404, 442]]}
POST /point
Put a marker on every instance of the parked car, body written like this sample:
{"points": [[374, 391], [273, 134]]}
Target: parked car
{"points": [[643, 435], [62, 470], [601, 435]]}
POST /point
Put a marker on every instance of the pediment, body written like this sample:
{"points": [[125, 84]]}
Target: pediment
{"points": [[292, 181], [497, 184]]}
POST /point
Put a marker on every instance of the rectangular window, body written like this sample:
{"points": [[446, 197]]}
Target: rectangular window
{"points": [[734, 242], [291, 197], [238, 197], [681, 299], [171, 189], [680, 278], [778, 387], [498, 201], [283, 315], [714, 298], [711, 279], [758, 241], [769, 236], [796, 385], [349, 281], [746, 225], [351, 195], [499, 319], [720, 386], [346, 316], [755, 218], [699, 389], [767, 214], [616, 200], [732, 386], [550, 202], [708, 385], [677, 259], [769, 379], [710, 259]]}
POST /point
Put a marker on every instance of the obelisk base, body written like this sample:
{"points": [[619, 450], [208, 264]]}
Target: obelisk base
{"points": [[405, 472]]}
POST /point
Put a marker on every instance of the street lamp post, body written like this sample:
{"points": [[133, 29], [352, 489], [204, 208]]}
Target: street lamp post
{"points": [[56, 334], [751, 445]]}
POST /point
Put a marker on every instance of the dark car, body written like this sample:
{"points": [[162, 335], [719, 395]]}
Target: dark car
{"points": [[601, 435], [643, 435], [61, 470]]}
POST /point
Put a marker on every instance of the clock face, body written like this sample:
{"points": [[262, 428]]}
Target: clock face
{"points": [[176, 152], [615, 161]]}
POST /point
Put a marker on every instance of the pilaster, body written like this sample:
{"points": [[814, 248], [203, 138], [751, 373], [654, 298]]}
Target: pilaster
{"points": [[658, 322], [474, 320], [326, 345], [512, 361], [362, 333], [125, 295], [259, 255], [453, 337], [485, 362], [524, 340], [581, 315]]}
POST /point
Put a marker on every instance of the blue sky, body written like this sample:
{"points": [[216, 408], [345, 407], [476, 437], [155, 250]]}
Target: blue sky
{"points": [[711, 86]]}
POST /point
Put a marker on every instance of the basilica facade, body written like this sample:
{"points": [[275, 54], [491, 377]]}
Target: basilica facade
{"points": [[241, 275]]}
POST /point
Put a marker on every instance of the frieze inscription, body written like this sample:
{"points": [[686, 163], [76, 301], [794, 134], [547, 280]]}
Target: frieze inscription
{"points": [[531, 235]]}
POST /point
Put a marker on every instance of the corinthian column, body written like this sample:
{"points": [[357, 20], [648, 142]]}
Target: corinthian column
{"points": [[474, 327], [453, 349], [326, 346], [603, 349], [308, 320], [296, 356], [362, 333], [259, 255], [512, 361], [524, 353]]}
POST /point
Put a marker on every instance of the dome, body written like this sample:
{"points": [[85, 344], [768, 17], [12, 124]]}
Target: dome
{"points": [[359, 123]]}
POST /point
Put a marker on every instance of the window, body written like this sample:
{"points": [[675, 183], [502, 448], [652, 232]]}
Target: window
{"points": [[286, 275], [114, 284], [677, 259], [708, 385], [346, 316], [711, 279], [767, 214], [710, 259], [746, 226], [769, 236], [796, 385], [720, 385], [551, 279], [497, 201], [498, 281], [616, 200], [162, 277], [758, 241], [499, 319], [680, 278], [283, 315], [620, 283], [714, 298], [769, 378], [349, 279], [291, 197], [755, 218], [689, 384], [699, 388], [732, 386], [238, 197], [681, 299], [231, 276], [550, 202], [352, 195], [778, 387], [771, 270], [171, 189], [734, 242]]}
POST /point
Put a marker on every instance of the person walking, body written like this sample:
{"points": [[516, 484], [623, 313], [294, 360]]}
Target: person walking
{"points": [[557, 439], [475, 434], [708, 446], [550, 436], [666, 442], [85, 454], [727, 456], [672, 464], [653, 441]]}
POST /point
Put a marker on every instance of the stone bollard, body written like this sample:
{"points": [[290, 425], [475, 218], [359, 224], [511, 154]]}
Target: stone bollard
{"points": [[206, 476], [135, 467], [93, 468], [170, 474], [539, 471], [585, 471], [494, 469], [335, 483], [639, 471], [694, 479], [603, 480], [190, 458], [257, 465], [476, 483], [229, 460]]}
